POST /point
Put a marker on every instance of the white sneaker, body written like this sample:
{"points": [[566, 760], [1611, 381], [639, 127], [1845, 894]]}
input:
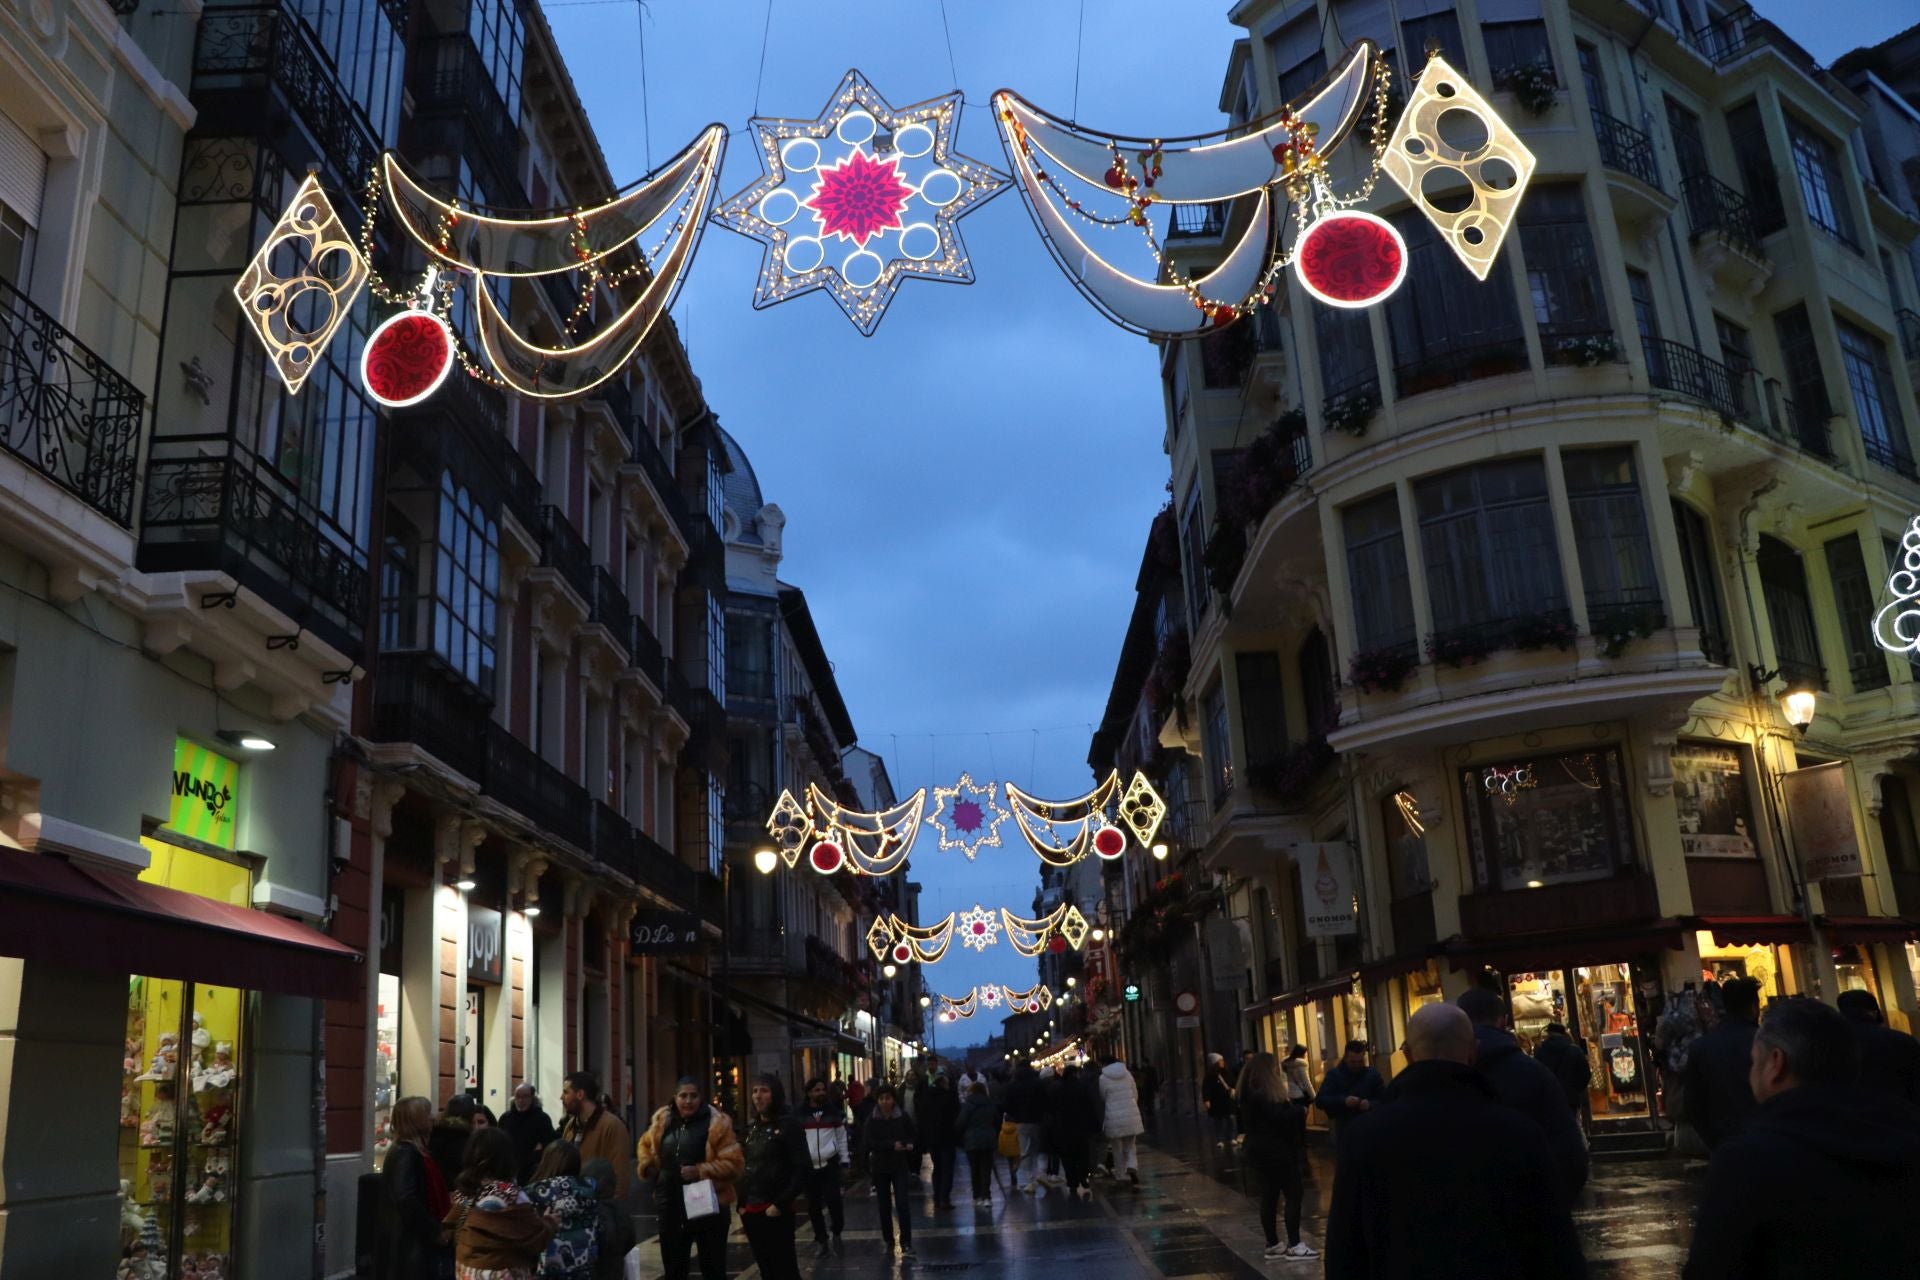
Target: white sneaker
{"points": [[1301, 1252], [1275, 1251]]}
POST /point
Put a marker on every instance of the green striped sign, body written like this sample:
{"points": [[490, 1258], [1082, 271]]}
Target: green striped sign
{"points": [[206, 794]]}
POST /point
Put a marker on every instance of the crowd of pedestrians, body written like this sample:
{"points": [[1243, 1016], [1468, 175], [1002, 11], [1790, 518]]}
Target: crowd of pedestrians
{"points": [[1468, 1163]]}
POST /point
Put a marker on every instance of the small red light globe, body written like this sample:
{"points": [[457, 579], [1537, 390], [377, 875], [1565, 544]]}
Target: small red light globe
{"points": [[1057, 944], [1350, 259], [1109, 842], [903, 954], [1033, 1006], [825, 857], [407, 358]]}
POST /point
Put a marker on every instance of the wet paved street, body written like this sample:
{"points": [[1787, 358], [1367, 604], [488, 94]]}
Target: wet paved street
{"points": [[1192, 1217]]}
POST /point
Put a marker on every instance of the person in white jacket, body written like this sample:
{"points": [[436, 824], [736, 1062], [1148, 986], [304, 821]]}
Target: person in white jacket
{"points": [[1120, 1101], [824, 1123]]}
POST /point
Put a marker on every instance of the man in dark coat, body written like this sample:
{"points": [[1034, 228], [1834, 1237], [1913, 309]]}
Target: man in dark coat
{"points": [[1349, 1089], [1889, 1059], [1719, 1099], [1443, 1182], [1823, 1178], [528, 1124], [1568, 1062], [1527, 1086]]}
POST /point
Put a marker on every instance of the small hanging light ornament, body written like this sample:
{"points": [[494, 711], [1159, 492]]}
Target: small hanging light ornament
{"points": [[1109, 842], [411, 353], [1348, 257], [826, 856]]}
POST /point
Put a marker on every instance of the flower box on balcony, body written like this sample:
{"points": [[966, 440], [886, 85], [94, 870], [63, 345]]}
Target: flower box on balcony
{"points": [[1382, 670]]}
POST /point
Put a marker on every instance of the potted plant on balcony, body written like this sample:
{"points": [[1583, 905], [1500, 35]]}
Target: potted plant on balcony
{"points": [[1350, 413], [1226, 551], [1382, 670], [1461, 647], [1617, 626], [1588, 350], [1549, 630], [1532, 84], [1291, 775]]}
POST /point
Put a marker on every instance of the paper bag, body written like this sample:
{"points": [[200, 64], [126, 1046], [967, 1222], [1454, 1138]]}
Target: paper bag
{"points": [[633, 1263], [701, 1198]]}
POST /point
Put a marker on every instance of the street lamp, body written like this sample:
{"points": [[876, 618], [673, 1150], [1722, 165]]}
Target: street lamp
{"points": [[1160, 851], [765, 860], [1099, 934], [1799, 705], [889, 969], [1072, 981]]}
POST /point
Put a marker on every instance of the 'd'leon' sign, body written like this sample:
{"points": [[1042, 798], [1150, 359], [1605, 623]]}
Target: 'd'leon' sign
{"points": [[206, 794], [664, 933]]}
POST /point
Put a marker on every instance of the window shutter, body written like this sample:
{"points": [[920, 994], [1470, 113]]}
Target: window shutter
{"points": [[23, 170]]}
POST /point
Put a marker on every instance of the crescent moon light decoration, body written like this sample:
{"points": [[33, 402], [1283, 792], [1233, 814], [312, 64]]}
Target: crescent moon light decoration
{"points": [[891, 830], [1285, 156], [1031, 937], [1040, 820], [1038, 993]]}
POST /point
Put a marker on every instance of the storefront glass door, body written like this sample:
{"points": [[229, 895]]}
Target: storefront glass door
{"points": [[179, 1100], [1596, 1005]]}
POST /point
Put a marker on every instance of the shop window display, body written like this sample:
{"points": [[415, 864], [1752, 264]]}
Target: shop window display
{"points": [[386, 1064], [1597, 1006], [179, 1101], [1710, 795], [1720, 964], [1547, 820]]}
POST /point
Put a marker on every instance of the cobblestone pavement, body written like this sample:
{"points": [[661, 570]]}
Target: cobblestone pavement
{"points": [[1192, 1218]]}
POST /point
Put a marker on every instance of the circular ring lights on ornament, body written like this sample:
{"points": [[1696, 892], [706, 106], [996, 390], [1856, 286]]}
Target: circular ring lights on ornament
{"points": [[407, 358], [1350, 259]]}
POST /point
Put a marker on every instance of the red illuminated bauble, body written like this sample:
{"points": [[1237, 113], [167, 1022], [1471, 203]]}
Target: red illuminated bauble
{"points": [[1033, 1006], [1109, 842], [903, 954], [825, 857], [407, 358], [1056, 944], [1350, 259]]}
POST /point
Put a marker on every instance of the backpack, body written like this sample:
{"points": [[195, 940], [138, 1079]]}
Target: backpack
{"points": [[1009, 1139]]}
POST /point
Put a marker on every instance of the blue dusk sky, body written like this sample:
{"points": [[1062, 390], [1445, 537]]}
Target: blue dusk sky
{"points": [[968, 491]]}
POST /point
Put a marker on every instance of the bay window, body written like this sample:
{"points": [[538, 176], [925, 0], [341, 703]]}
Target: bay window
{"points": [[1796, 645], [1853, 600], [1822, 181], [1563, 270], [1445, 326], [1486, 538], [1876, 400], [1377, 574], [1610, 534], [1698, 562]]}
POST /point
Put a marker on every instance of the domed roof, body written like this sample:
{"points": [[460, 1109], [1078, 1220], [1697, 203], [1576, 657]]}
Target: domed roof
{"points": [[740, 489]]}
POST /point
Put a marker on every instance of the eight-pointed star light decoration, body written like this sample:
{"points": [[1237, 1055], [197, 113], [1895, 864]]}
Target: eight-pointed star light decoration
{"points": [[858, 199], [967, 816], [979, 928]]}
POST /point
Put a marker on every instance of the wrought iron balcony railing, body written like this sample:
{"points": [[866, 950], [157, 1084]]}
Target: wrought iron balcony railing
{"points": [[1889, 455], [1197, 220], [609, 603], [1738, 393], [65, 412], [1908, 324], [238, 49], [1713, 206], [644, 653], [211, 504], [562, 548], [1626, 149], [520, 777], [1673, 366], [418, 699], [624, 848]]}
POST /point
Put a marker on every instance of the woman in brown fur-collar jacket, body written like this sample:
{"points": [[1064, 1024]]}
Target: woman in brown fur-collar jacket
{"points": [[497, 1233], [685, 1143]]}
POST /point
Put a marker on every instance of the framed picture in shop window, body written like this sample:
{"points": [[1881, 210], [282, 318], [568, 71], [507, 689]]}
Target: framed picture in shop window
{"points": [[1710, 793]]}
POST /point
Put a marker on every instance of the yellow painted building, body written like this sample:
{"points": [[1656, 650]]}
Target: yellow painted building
{"points": [[1491, 596]]}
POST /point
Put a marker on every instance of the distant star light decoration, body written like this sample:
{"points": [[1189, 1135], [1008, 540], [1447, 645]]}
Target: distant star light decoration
{"points": [[858, 199], [968, 816], [979, 928]]}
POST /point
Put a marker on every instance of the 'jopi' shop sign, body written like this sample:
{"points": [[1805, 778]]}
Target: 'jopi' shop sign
{"points": [[206, 794]]}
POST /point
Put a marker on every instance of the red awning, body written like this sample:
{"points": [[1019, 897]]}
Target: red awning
{"points": [[55, 912], [1754, 931], [1865, 930], [1605, 946]]}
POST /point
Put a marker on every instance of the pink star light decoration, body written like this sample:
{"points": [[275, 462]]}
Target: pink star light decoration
{"points": [[859, 198]]}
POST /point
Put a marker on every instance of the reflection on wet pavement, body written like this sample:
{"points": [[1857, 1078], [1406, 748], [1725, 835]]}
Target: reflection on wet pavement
{"points": [[1193, 1216]]}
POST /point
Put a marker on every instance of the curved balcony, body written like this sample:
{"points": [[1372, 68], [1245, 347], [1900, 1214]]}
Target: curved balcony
{"points": [[1520, 674]]}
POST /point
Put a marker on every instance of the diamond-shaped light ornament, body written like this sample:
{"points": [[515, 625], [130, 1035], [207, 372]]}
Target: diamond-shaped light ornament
{"points": [[860, 198], [1496, 172], [790, 825], [880, 938], [295, 316], [1073, 927], [1142, 809]]}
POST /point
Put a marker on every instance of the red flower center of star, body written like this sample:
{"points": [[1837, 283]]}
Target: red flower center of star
{"points": [[859, 198], [978, 928], [967, 815]]}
